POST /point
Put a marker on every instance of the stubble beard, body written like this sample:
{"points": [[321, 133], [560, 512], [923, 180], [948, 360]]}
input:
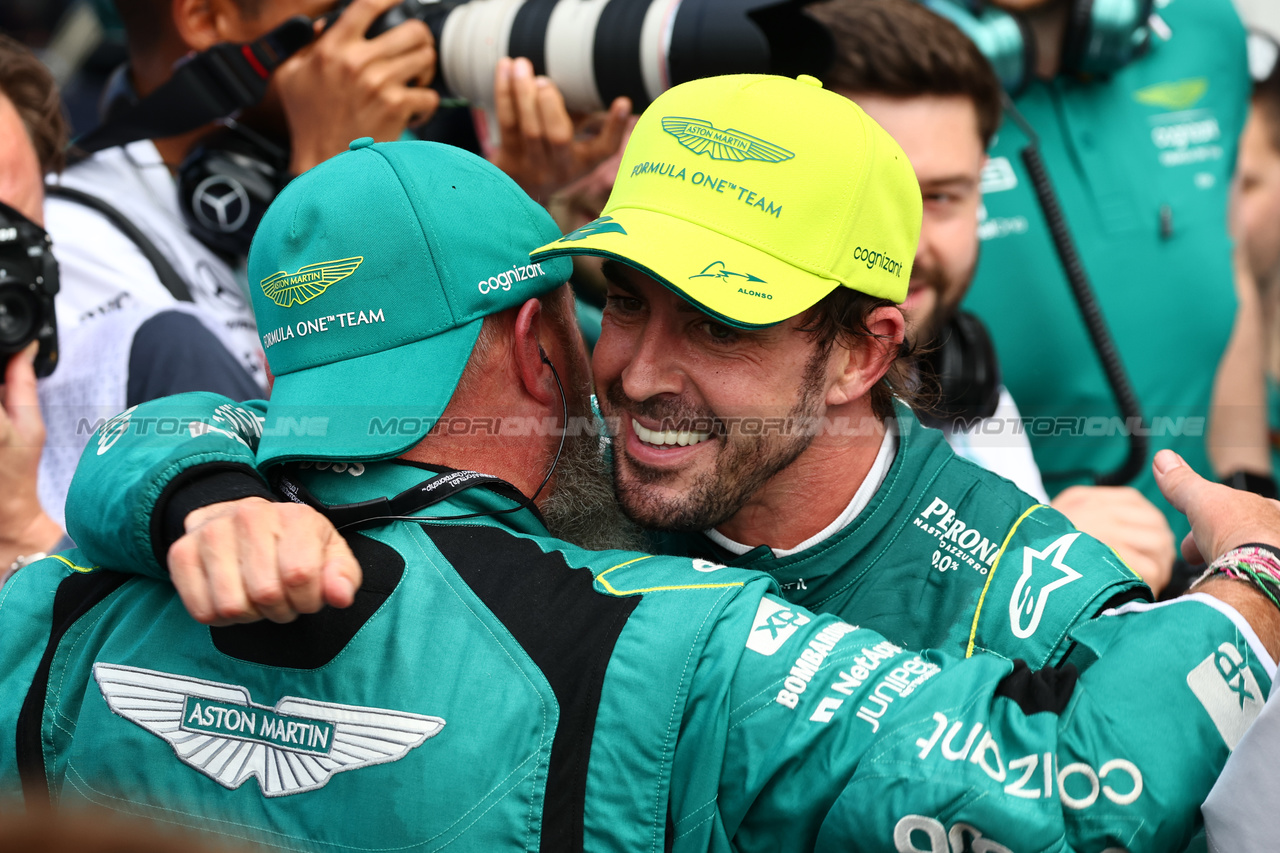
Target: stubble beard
{"points": [[581, 507], [945, 288], [744, 464]]}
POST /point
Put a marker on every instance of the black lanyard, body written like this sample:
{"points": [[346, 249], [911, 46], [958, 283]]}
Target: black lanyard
{"points": [[441, 487], [357, 516]]}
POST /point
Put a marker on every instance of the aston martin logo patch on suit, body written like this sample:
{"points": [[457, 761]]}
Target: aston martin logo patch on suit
{"points": [[291, 748]]}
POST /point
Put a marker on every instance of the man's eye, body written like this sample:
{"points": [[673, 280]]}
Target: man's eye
{"points": [[622, 304], [719, 331]]}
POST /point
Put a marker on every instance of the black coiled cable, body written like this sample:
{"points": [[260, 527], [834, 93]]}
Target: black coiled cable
{"points": [[1121, 388]]}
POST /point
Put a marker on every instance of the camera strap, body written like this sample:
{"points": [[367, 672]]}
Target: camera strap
{"points": [[205, 87], [165, 272]]}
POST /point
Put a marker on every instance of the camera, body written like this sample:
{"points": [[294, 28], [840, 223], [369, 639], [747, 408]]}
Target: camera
{"points": [[28, 283], [597, 50]]}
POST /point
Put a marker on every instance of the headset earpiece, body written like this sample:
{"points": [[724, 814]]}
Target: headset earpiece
{"points": [[1103, 36], [966, 370], [1004, 39], [226, 184]]}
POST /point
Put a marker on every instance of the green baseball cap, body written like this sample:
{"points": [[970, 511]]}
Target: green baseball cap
{"points": [[371, 276]]}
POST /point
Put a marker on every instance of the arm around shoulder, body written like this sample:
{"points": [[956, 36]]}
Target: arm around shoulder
{"points": [[141, 458]]}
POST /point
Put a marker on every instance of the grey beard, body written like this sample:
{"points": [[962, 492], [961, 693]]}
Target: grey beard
{"points": [[583, 509]]}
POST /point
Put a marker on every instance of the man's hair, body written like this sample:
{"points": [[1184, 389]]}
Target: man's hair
{"points": [[900, 49], [557, 312], [1266, 101], [841, 316], [31, 88]]}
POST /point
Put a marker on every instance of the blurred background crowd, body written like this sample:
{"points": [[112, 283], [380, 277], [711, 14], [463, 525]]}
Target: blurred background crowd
{"points": [[1098, 275]]}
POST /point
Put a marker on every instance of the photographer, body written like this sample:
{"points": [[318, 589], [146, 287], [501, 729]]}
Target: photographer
{"points": [[149, 307], [32, 135], [340, 87]]}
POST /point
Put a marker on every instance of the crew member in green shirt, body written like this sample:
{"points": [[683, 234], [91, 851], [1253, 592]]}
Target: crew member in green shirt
{"points": [[1140, 151]]}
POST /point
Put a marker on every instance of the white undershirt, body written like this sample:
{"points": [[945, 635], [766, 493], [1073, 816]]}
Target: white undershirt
{"points": [[862, 497]]}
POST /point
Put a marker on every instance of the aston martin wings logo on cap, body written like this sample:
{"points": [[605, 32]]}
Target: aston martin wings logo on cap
{"points": [[287, 289], [291, 748], [702, 137]]}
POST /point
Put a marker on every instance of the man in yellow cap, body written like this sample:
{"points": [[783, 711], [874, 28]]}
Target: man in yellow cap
{"points": [[757, 240], [742, 372]]}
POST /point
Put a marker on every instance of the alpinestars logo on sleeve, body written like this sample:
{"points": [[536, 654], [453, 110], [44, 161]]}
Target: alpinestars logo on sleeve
{"points": [[702, 137], [1031, 593], [287, 289], [291, 748]]}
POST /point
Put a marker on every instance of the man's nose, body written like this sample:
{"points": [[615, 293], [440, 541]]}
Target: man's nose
{"points": [[654, 368]]}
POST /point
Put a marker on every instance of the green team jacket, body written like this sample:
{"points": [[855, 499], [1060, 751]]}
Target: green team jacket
{"points": [[493, 688], [1142, 164], [949, 556]]}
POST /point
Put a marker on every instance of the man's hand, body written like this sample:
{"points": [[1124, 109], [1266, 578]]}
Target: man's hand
{"points": [[1221, 517], [542, 147], [345, 86], [250, 559], [1122, 518], [25, 529]]}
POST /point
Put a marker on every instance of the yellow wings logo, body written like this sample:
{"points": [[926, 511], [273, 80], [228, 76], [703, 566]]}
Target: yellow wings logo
{"points": [[288, 289], [1179, 95], [702, 137]]}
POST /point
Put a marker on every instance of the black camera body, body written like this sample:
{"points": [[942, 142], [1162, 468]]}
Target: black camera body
{"points": [[28, 283]]}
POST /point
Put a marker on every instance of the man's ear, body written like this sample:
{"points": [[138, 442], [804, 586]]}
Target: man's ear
{"points": [[532, 364], [200, 24], [856, 369]]}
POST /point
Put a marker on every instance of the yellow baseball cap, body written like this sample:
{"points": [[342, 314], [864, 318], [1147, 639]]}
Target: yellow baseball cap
{"points": [[754, 196]]}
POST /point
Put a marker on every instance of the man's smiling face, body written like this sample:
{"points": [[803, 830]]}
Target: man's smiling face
{"points": [[699, 409], [940, 136]]}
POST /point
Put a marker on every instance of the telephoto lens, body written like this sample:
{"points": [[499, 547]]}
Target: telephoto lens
{"points": [[598, 50], [28, 283]]}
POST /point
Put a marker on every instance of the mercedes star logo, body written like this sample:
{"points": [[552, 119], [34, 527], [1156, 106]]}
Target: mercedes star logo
{"points": [[220, 203]]}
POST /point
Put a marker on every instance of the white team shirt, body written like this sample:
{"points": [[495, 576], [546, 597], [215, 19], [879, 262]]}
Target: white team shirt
{"points": [[102, 271], [1000, 444]]}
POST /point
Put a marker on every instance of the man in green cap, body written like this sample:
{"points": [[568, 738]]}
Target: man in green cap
{"points": [[491, 687], [755, 237]]}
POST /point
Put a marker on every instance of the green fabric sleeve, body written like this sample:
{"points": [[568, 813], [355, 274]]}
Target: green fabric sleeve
{"points": [[135, 457], [836, 739], [1173, 689], [26, 600]]}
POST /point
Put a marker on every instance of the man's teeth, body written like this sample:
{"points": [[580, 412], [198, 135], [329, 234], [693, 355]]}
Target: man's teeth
{"points": [[682, 437]]}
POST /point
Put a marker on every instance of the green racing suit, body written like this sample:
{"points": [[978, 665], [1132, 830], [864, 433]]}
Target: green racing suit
{"points": [[493, 688], [949, 556]]}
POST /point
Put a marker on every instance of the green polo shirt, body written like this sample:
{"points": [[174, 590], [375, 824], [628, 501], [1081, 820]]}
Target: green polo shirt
{"points": [[1142, 166]]}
